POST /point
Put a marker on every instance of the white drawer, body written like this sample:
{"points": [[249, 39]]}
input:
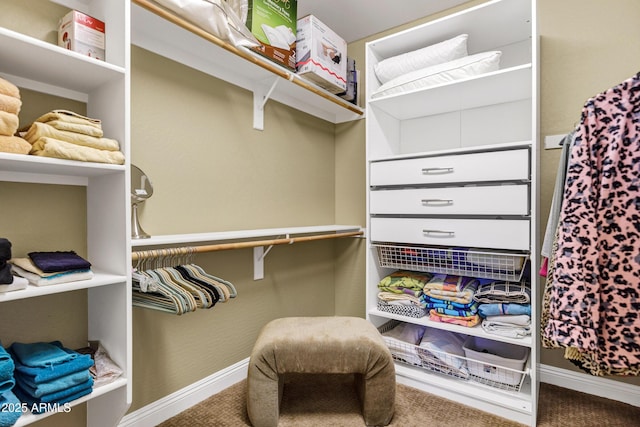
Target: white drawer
{"points": [[475, 167], [485, 233], [474, 200]]}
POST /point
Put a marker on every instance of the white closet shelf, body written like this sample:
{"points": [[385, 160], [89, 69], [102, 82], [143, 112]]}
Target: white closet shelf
{"points": [[239, 66], [62, 72], [176, 239], [475, 331], [99, 279], [507, 85], [47, 170], [29, 418]]}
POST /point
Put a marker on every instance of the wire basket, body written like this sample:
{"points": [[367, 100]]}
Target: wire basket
{"points": [[455, 261], [489, 369]]}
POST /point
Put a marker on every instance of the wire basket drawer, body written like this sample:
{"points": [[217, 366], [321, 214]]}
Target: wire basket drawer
{"points": [[457, 261]]}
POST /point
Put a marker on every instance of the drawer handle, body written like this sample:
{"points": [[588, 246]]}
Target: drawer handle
{"points": [[437, 202], [427, 171], [441, 233]]}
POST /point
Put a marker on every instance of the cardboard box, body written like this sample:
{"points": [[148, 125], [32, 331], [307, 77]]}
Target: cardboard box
{"points": [[273, 23], [321, 55], [83, 34]]}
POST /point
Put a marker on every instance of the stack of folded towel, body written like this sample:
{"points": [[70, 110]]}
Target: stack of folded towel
{"points": [[10, 104], [67, 135], [505, 308], [449, 299], [400, 292], [11, 409], [51, 268], [8, 282], [49, 374]]}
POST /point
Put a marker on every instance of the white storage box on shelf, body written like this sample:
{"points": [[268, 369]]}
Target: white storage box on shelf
{"points": [[495, 363]]}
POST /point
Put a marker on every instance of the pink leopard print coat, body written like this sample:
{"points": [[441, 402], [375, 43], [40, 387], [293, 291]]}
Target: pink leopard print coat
{"points": [[594, 303]]}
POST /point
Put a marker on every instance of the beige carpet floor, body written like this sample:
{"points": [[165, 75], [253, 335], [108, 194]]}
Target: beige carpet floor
{"points": [[324, 401]]}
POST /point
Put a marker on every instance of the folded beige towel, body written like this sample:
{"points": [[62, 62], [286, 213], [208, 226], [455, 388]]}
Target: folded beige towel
{"points": [[8, 123], [14, 144], [50, 147], [39, 130], [70, 117], [8, 88], [77, 127], [10, 104]]}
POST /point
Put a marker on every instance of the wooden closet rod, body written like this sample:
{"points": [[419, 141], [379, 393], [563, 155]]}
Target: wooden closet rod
{"points": [[294, 78], [138, 255]]}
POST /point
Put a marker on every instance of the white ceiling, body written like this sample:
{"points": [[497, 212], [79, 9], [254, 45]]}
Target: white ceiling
{"points": [[356, 19]]}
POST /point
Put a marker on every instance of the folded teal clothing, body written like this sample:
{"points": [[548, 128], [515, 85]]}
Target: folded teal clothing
{"points": [[11, 409], [6, 364], [53, 386], [7, 385], [43, 374], [40, 354], [39, 405]]}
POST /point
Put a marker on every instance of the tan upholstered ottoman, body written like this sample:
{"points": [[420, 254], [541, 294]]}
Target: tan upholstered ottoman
{"points": [[317, 345]]}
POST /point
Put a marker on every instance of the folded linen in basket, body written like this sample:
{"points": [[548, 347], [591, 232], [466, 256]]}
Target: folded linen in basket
{"points": [[402, 341], [69, 117], [444, 348], [10, 104], [55, 279], [503, 292], [49, 147], [39, 130], [9, 123], [14, 144]]}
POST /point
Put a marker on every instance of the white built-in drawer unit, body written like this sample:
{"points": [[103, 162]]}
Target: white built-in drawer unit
{"points": [[510, 234], [467, 200], [488, 166]]}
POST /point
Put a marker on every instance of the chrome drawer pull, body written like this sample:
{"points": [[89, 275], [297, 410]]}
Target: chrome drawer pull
{"points": [[427, 171], [440, 232], [438, 202]]}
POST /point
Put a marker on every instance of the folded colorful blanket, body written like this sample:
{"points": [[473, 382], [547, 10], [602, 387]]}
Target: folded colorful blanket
{"points": [[409, 282], [41, 130], [56, 279], [43, 374], [52, 262], [8, 88], [9, 123], [457, 320], [503, 292], [451, 287], [11, 408], [496, 309], [69, 117], [14, 144], [400, 299], [10, 104], [50, 147]]}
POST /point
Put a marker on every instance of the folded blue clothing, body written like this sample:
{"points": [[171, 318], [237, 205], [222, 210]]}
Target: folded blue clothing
{"points": [[6, 365], [40, 354], [499, 309], [62, 383], [38, 406], [38, 375], [52, 262], [11, 409]]}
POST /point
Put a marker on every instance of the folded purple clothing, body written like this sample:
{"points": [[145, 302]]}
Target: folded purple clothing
{"points": [[51, 262]]}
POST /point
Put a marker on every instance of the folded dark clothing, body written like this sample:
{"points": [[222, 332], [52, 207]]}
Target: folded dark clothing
{"points": [[6, 278], [5, 249], [51, 262]]}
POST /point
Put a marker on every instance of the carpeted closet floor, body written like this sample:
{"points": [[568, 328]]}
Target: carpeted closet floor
{"points": [[331, 402]]}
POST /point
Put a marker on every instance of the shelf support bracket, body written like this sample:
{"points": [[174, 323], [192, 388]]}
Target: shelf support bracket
{"points": [[259, 254], [260, 98]]}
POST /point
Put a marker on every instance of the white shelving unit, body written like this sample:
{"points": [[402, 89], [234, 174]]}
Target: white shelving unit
{"points": [[239, 66], [104, 87], [455, 165]]}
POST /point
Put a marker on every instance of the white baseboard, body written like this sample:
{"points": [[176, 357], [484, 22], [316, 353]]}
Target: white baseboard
{"points": [[585, 383], [171, 405]]}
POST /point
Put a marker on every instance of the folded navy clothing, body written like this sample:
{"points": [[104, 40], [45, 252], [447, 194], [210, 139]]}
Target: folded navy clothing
{"points": [[6, 278], [5, 249], [52, 262]]}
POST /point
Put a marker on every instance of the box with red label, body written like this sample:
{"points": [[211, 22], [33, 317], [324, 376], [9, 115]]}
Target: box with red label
{"points": [[83, 34]]}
